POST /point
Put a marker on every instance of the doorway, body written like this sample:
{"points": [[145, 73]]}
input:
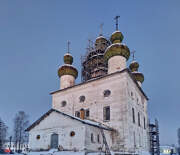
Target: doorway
{"points": [[54, 141]]}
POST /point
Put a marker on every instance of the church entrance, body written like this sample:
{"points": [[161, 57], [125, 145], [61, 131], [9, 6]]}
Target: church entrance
{"points": [[54, 141]]}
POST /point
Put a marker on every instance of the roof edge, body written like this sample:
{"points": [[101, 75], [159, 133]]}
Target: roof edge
{"points": [[91, 80], [78, 119]]}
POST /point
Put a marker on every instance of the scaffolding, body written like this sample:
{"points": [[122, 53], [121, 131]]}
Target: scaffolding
{"points": [[93, 64], [154, 138]]}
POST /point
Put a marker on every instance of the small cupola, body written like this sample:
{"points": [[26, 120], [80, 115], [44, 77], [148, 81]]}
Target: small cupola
{"points": [[67, 72], [139, 77]]}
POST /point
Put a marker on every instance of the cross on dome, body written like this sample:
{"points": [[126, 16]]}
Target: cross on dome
{"points": [[68, 46], [101, 29], [116, 19], [133, 54]]}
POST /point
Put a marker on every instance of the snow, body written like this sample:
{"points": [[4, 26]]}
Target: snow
{"points": [[100, 37], [51, 152], [119, 44], [67, 54], [55, 152], [117, 31]]}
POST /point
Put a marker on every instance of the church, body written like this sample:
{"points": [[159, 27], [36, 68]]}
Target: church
{"points": [[106, 112]]}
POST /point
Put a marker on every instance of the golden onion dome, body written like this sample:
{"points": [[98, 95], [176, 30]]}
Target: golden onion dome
{"points": [[68, 68], [138, 76], [117, 37], [117, 49], [68, 59], [134, 66]]}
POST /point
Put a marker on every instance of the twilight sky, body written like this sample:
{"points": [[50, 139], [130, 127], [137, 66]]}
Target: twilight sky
{"points": [[33, 40]]}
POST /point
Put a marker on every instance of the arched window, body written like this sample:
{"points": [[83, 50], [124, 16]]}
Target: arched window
{"points": [[144, 123], [139, 119], [77, 114], [98, 138], [133, 115], [92, 138], [106, 113], [134, 139]]}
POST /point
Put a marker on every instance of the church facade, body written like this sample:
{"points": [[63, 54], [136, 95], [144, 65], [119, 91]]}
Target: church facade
{"points": [[110, 102]]}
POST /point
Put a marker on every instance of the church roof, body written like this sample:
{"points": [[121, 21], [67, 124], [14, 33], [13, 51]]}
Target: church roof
{"points": [[124, 70], [88, 122]]}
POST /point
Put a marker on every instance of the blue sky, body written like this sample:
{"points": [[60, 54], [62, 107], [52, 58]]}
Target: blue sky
{"points": [[33, 40]]}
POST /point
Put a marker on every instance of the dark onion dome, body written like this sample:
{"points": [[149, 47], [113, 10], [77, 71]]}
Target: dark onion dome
{"points": [[134, 69], [68, 59], [117, 37], [101, 43], [138, 76], [134, 66], [117, 49], [68, 68], [100, 39]]}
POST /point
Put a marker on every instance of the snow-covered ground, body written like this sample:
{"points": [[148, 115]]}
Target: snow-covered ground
{"points": [[55, 152]]}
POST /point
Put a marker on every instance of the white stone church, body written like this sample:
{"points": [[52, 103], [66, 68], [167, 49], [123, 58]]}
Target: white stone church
{"points": [[106, 111]]}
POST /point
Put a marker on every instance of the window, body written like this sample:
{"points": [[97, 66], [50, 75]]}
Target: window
{"points": [[72, 133], [38, 137], [139, 119], [107, 93], [144, 123], [92, 138], [132, 95], [106, 112], [133, 115], [139, 140], [63, 103], [87, 113], [134, 139], [82, 98], [98, 138], [77, 114]]}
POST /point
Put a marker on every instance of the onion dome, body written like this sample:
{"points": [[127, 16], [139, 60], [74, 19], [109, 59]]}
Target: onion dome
{"points": [[101, 43], [68, 68], [100, 39], [68, 59], [117, 48], [134, 66], [138, 76], [117, 37], [134, 69]]}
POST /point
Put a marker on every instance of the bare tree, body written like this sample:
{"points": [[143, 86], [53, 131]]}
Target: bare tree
{"points": [[178, 135], [3, 133], [21, 122]]}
